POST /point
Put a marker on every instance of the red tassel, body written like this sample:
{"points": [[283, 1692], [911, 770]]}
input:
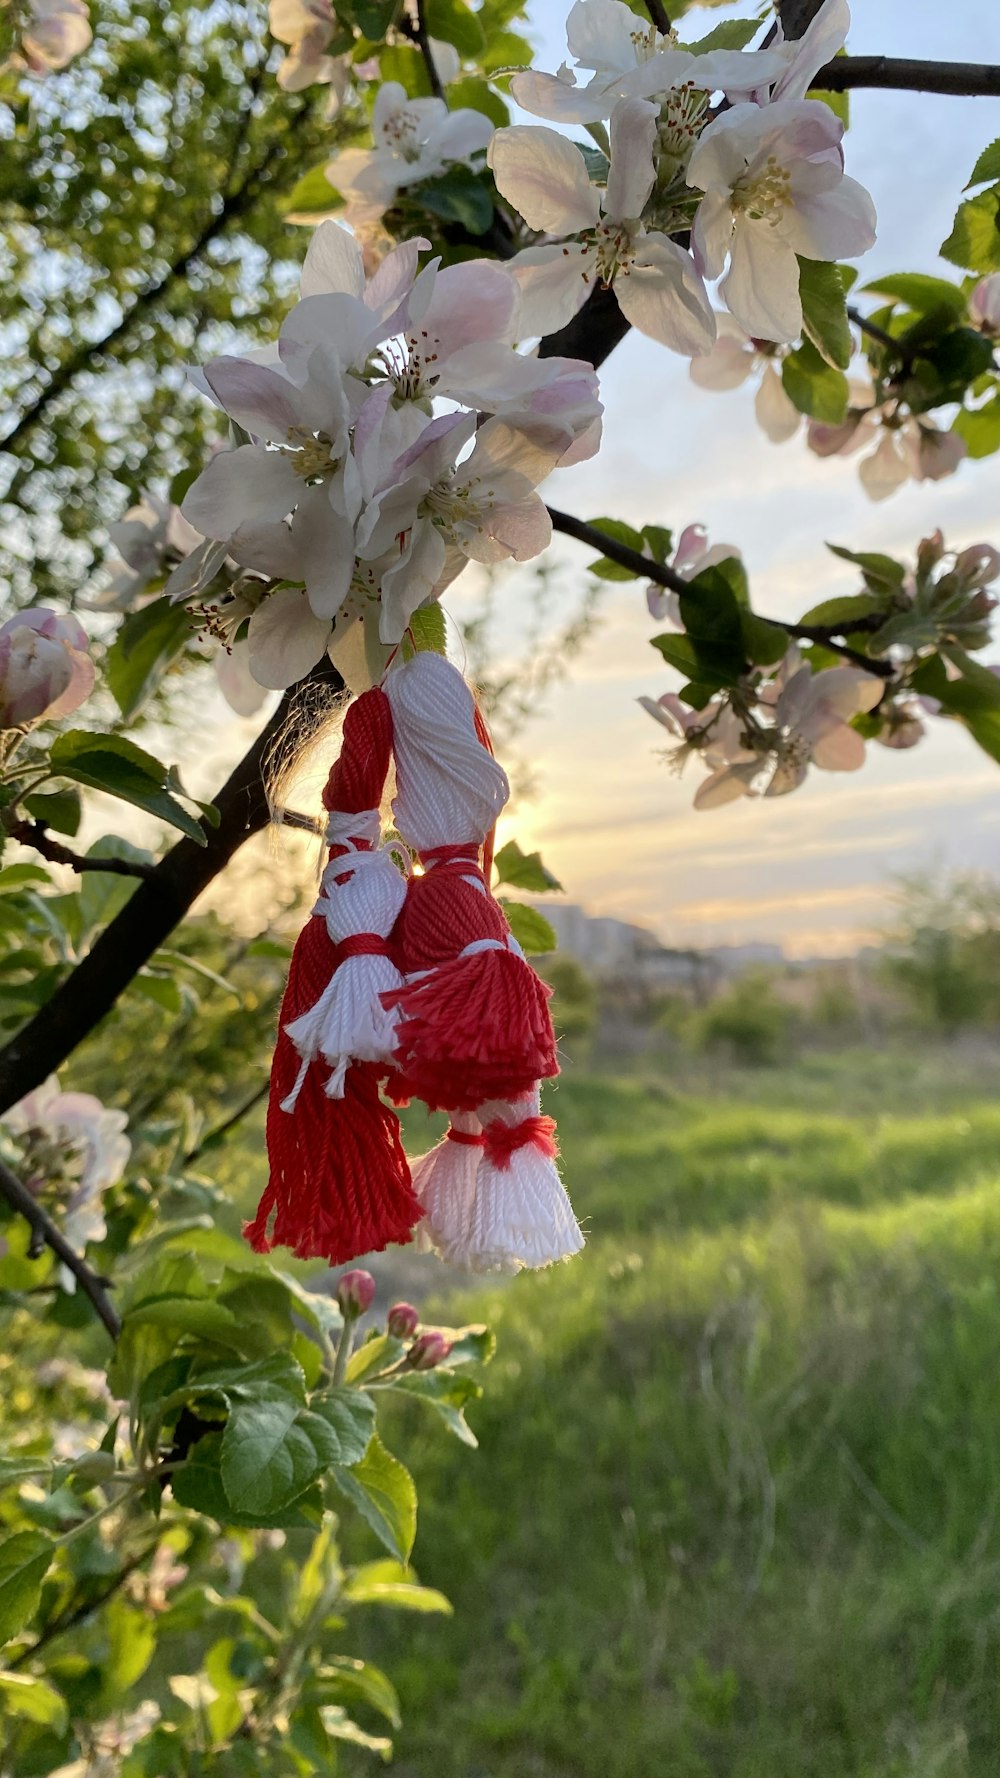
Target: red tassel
{"points": [[474, 1022], [339, 1184]]}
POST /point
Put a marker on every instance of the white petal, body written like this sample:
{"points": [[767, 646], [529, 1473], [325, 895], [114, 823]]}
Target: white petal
{"points": [[601, 34], [390, 282], [547, 95], [630, 179], [777, 417], [412, 582], [664, 297], [730, 361], [325, 540], [545, 178], [841, 749], [837, 224], [712, 233], [242, 692], [475, 300], [238, 487], [333, 262], [889, 466], [285, 639], [554, 282], [722, 787], [761, 287], [261, 400]]}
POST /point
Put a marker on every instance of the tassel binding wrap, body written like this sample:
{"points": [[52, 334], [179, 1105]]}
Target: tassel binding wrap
{"points": [[473, 1018], [339, 1182], [445, 1182]]}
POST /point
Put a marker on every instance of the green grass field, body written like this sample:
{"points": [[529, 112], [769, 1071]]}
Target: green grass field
{"points": [[736, 1507]]}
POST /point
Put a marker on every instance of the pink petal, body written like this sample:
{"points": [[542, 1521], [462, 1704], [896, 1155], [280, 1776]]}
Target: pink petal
{"points": [[545, 178]]}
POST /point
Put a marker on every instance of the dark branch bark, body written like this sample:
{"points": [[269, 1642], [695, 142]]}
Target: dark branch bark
{"points": [[157, 906], [36, 834], [592, 334], [46, 1234], [659, 15], [423, 39], [675, 583], [963, 79]]}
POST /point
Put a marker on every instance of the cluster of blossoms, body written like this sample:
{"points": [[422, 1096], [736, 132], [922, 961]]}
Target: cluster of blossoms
{"points": [[414, 140], [906, 447], [72, 1150], [760, 737], [685, 188], [45, 669], [353, 492], [50, 33]]}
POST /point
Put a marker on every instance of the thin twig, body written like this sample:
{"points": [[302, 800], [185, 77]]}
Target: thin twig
{"points": [[668, 577], [36, 834], [423, 39], [875, 332], [46, 1233], [659, 15], [219, 1130], [77, 1614], [962, 79]]}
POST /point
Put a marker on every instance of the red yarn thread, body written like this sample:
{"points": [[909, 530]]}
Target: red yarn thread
{"points": [[339, 1184], [501, 1141], [464, 1138]]}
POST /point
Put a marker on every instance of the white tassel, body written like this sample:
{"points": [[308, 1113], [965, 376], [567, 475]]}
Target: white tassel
{"points": [[445, 1182], [349, 1023], [520, 1213]]}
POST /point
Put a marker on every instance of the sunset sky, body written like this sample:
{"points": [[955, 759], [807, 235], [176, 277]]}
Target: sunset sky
{"points": [[813, 870]]}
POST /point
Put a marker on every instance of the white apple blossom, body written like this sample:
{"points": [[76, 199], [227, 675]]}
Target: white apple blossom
{"points": [[984, 305], [601, 239], [693, 553], [151, 535], [774, 188], [45, 669], [825, 34], [733, 359], [74, 1148], [627, 58], [54, 32], [415, 139], [907, 447], [715, 733], [307, 26]]}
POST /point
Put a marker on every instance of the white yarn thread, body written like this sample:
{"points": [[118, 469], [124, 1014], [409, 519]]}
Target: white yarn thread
{"points": [[449, 788], [520, 1214], [363, 829], [445, 1182]]}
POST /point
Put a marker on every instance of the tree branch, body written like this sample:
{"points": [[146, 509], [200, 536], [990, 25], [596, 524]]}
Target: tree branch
{"points": [[158, 905], [215, 1135], [664, 576], [36, 834], [659, 15], [900, 73], [46, 1234], [423, 39], [593, 333]]}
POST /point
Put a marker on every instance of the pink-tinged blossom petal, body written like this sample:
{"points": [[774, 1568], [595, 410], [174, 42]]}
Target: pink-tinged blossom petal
{"points": [[237, 486], [334, 262], [413, 582], [522, 529], [984, 305], [394, 276], [242, 692], [665, 298], [837, 224], [462, 133], [777, 416], [675, 716], [730, 361], [725, 786], [285, 639], [891, 464], [978, 565], [267, 548], [554, 282], [44, 667], [632, 171], [262, 401], [938, 453], [475, 300], [761, 287], [820, 41], [841, 750], [545, 178]]}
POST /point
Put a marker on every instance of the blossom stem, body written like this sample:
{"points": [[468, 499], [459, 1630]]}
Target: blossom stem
{"points": [[45, 1231], [424, 42], [344, 1347], [904, 74], [36, 834], [664, 576]]}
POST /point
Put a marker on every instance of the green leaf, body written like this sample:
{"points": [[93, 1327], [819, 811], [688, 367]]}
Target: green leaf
{"points": [[198, 1484], [120, 768], [403, 63], [453, 22], [313, 195], [920, 292], [59, 809], [473, 94], [679, 652], [382, 1490], [461, 196], [531, 929], [340, 1423], [202, 1316], [15, 877], [469, 1345], [34, 1700], [267, 1460], [763, 642], [375, 1355], [846, 610], [145, 645], [102, 894], [881, 573], [524, 870], [343, 1680], [24, 1562], [987, 166], [813, 386], [980, 428], [731, 34], [659, 541], [392, 1584], [823, 294], [619, 532], [374, 17], [130, 1643], [447, 1394], [974, 242], [425, 632]]}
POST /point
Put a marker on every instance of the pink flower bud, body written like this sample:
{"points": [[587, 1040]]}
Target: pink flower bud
{"points": [[355, 1292], [428, 1350], [984, 305], [402, 1321], [44, 667]]}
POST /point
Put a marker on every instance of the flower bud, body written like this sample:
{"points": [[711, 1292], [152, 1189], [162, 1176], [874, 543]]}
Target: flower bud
{"points": [[44, 667], [428, 1350], [355, 1292], [984, 305], [402, 1321]]}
